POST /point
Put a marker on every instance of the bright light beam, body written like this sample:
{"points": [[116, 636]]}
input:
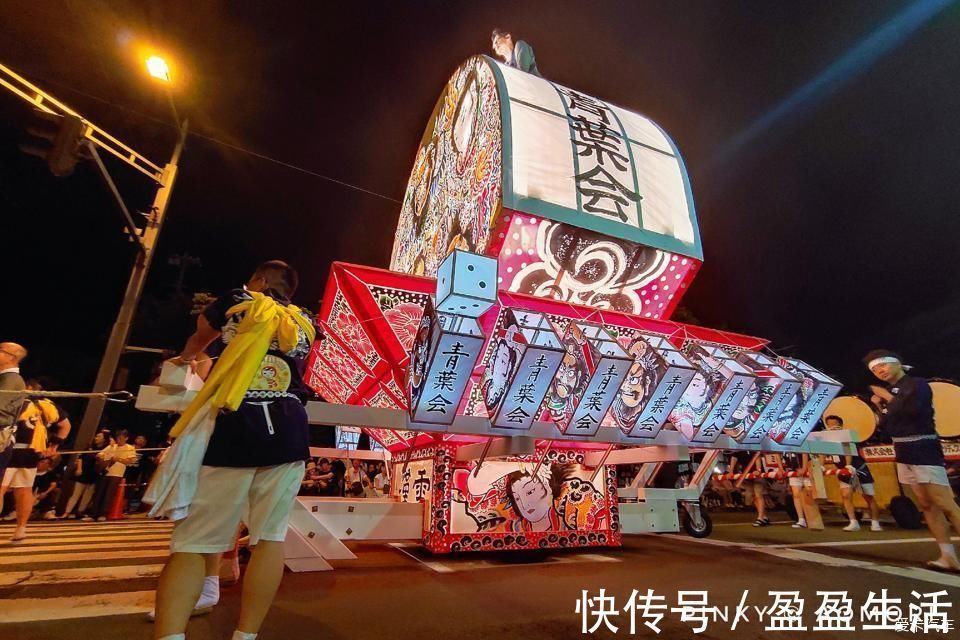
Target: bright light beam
{"points": [[157, 67], [854, 62]]}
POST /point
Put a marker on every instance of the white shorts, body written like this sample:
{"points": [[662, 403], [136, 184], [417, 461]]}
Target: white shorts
{"points": [[922, 474], [800, 482], [261, 497], [19, 478], [866, 488]]}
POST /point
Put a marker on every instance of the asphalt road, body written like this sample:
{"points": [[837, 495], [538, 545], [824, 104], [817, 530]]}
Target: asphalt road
{"points": [[398, 591]]}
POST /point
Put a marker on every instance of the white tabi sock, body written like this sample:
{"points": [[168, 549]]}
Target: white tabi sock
{"points": [[240, 635], [175, 636], [947, 551], [210, 594]]}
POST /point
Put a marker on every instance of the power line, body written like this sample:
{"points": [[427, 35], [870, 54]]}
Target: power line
{"points": [[228, 145]]}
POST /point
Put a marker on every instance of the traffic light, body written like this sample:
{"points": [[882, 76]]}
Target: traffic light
{"points": [[64, 141]]}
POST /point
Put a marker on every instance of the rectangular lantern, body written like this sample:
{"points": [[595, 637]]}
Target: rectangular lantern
{"points": [[720, 385], [775, 388], [657, 378], [444, 353], [537, 359], [799, 417], [606, 364]]}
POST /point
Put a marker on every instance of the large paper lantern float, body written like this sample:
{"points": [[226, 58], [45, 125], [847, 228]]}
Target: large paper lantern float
{"points": [[544, 239]]}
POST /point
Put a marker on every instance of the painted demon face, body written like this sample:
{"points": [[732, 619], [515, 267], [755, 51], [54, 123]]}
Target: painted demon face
{"points": [[568, 377], [634, 389]]}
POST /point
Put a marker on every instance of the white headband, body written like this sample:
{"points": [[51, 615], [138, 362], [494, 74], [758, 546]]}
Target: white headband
{"points": [[885, 360]]}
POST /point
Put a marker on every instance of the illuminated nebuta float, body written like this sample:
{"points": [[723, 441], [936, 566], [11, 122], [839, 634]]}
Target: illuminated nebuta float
{"points": [[545, 238]]}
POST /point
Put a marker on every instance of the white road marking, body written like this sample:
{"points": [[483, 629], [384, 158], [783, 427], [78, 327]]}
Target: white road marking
{"points": [[709, 541], [435, 566], [790, 553], [913, 573], [464, 563], [66, 608], [63, 558], [749, 524], [74, 529], [596, 557], [24, 548], [80, 540], [854, 543], [70, 576]]}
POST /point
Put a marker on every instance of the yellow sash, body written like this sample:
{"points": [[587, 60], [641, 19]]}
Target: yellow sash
{"points": [[237, 365], [39, 441]]}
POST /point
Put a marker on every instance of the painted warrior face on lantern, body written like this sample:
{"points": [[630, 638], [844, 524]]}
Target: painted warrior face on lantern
{"points": [[640, 383], [568, 377], [418, 365]]}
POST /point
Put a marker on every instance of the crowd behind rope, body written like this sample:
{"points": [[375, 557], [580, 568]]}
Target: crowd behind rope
{"points": [[84, 484], [345, 478]]}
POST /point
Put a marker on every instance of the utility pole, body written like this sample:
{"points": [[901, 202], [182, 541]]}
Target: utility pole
{"points": [[131, 297], [74, 126]]}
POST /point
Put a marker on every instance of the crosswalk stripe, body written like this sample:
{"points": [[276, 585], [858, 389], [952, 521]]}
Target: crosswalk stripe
{"points": [[56, 555], [126, 522], [88, 526], [24, 549], [74, 557], [65, 608], [94, 536], [81, 532], [72, 576]]}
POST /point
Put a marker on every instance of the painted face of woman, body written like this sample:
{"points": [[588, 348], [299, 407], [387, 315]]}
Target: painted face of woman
{"points": [[532, 498]]}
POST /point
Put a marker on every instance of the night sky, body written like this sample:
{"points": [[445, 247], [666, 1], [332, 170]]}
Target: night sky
{"points": [[832, 232]]}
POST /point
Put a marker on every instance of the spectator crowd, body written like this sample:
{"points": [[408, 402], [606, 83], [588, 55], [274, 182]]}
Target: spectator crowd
{"points": [[85, 485], [345, 478]]}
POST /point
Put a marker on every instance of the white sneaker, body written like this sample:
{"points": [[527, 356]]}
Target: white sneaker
{"points": [[799, 525], [102, 519], [86, 519], [10, 516], [853, 526], [875, 526], [50, 515]]}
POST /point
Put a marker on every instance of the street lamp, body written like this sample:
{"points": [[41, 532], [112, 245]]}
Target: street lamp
{"points": [[158, 68]]}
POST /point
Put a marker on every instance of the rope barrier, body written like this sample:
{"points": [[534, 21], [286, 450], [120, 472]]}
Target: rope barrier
{"points": [[778, 475], [109, 396], [71, 453]]}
